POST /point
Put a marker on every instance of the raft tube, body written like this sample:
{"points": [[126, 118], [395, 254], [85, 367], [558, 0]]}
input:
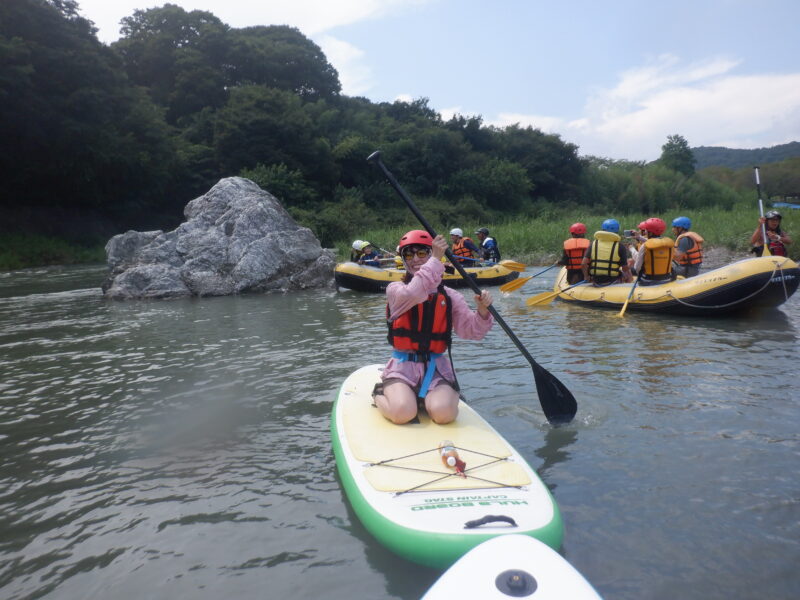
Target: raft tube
{"points": [[362, 278], [752, 283]]}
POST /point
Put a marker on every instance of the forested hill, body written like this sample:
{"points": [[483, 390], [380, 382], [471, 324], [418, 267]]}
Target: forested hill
{"points": [[97, 139], [719, 156]]}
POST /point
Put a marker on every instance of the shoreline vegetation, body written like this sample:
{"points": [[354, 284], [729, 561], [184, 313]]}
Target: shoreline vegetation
{"points": [[539, 241], [534, 241]]}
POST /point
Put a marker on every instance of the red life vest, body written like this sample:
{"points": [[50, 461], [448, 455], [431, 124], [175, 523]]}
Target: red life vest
{"points": [[426, 327], [575, 248], [777, 249]]}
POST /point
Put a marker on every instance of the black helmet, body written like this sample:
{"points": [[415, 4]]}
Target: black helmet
{"points": [[483, 230], [773, 214]]}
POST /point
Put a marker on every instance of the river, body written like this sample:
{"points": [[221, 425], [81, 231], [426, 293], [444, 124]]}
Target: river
{"points": [[181, 450]]}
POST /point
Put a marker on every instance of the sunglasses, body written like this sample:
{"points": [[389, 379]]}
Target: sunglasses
{"points": [[421, 253]]}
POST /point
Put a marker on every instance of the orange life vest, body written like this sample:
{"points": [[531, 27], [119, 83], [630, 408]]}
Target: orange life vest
{"points": [[425, 327], [657, 258], [575, 248], [459, 248], [694, 256]]}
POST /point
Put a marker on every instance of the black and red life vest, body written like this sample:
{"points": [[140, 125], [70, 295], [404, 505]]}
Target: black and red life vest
{"points": [[574, 249], [424, 328]]}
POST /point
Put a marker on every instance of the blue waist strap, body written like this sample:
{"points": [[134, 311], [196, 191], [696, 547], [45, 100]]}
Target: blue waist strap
{"points": [[429, 357]]}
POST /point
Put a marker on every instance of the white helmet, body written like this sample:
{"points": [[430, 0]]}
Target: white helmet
{"points": [[358, 244], [457, 232]]}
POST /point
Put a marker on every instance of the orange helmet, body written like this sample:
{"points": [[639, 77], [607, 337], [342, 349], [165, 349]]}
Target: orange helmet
{"points": [[577, 228], [655, 226], [416, 237]]}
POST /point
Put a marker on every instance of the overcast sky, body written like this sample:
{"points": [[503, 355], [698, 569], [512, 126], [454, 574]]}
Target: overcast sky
{"points": [[615, 77]]}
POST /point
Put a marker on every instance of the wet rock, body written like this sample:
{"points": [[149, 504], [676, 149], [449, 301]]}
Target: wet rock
{"points": [[236, 238]]}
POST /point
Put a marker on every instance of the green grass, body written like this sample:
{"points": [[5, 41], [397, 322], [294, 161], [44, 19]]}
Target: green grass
{"points": [[539, 241], [20, 251]]}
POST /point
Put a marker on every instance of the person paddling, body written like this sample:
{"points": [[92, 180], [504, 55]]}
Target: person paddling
{"points": [[463, 247], [688, 252], [421, 315], [606, 259], [778, 239], [490, 250], [574, 249], [654, 261]]}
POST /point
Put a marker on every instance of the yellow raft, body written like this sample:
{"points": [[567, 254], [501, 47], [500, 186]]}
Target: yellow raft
{"points": [[751, 283], [374, 279]]}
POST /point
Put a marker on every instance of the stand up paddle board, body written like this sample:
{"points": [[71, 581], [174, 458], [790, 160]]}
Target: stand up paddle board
{"points": [[411, 502], [512, 566]]}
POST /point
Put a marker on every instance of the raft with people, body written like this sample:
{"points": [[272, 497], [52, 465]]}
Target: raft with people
{"points": [[752, 283], [365, 278]]}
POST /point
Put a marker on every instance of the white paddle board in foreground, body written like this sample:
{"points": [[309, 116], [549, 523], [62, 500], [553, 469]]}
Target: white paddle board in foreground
{"points": [[512, 566], [397, 485]]}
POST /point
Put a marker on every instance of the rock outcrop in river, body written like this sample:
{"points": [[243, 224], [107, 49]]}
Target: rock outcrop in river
{"points": [[236, 238]]}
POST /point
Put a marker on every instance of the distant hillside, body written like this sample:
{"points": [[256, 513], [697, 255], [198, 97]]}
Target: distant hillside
{"points": [[719, 156]]}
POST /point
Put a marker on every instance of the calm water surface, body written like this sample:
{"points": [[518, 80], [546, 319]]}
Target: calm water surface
{"points": [[181, 449]]}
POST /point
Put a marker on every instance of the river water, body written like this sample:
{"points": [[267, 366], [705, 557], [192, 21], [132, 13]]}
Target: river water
{"points": [[181, 449]]}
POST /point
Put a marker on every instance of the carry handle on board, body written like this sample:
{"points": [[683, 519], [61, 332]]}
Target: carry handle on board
{"points": [[490, 519]]}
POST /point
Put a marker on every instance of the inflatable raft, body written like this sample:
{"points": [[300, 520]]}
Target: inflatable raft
{"points": [[763, 282], [362, 278], [417, 507]]}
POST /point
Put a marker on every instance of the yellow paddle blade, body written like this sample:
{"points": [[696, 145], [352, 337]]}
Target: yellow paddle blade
{"points": [[514, 284], [513, 265], [624, 306], [543, 298], [766, 251]]}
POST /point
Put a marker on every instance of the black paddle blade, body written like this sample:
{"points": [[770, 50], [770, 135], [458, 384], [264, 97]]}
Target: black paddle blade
{"points": [[558, 403]]}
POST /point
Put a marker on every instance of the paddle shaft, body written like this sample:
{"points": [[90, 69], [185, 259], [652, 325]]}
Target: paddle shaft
{"points": [[628, 299], [561, 406], [553, 294], [766, 251]]}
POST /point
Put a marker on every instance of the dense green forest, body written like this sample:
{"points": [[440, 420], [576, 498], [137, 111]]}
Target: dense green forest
{"points": [[734, 158], [97, 139]]}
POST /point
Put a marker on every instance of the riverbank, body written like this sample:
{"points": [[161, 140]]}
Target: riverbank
{"points": [[22, 251]]}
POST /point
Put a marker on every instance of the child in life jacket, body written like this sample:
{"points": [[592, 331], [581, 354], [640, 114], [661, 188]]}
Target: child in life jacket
{"points": [[421, 315], [574, 250], [777, 239]]}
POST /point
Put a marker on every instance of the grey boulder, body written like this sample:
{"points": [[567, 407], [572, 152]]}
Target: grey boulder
{"points": [[236, 238]]}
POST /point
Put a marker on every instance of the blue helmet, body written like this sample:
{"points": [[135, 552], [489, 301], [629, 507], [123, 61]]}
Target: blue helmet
{"points": [[682, 222], [610, 225]]}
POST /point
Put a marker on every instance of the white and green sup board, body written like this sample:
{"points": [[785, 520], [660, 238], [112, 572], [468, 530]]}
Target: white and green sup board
{"points": [[413, 504]]}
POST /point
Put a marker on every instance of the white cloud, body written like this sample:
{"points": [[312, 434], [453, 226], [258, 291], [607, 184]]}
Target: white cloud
{"points": [[347, 59], [546, 124], [704, 102]]}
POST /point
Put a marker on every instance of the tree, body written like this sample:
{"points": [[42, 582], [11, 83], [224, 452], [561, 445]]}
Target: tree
{"points": [[677, 155]]}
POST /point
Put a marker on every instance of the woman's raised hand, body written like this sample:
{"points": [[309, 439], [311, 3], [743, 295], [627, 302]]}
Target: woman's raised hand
{"points": [[439, 246]]}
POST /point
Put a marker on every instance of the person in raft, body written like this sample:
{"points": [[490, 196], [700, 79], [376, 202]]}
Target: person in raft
{"points": [[778, 240], [463, 247], [688, 252], [654, 261], [606, 259], [422, 314], [574, 249]]}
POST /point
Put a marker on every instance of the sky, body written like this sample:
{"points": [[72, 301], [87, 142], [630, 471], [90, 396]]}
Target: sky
{"points": [[614, 77]]}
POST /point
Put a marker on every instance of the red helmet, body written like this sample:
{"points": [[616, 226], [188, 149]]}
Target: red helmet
{"points": [[577, 228], [655, 226], [416, 237], [640, 226]]}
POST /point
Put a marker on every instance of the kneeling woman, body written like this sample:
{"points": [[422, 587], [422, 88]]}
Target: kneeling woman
{"points": [[422, 314]]}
